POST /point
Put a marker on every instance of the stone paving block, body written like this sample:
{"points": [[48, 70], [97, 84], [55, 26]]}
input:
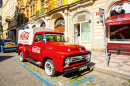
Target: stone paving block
{"points": [[125, 67], [116, 60], [128, 64], [111, 64]]}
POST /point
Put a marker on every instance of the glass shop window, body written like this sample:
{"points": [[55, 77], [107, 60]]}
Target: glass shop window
{"points": [[120, 33]]}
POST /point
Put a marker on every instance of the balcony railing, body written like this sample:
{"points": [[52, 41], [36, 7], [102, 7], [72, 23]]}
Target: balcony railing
{"points": [[40, 12], [50, 5]]}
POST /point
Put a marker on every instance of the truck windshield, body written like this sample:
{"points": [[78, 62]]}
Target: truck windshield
{"points": [[53, 37]]}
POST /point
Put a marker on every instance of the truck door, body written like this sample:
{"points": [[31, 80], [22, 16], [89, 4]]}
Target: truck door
{"points": [[37, 47]]}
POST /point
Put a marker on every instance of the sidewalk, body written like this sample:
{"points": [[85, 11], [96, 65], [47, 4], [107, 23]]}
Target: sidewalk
{"points": [[119, 65]]}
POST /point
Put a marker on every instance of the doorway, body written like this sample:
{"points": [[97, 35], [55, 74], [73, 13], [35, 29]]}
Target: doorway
{"points": [[77, 33]]}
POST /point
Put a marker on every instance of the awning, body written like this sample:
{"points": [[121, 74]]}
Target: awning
{"points": [[118, 19]]}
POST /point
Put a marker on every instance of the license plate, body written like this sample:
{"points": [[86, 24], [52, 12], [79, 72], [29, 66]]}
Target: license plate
{"points": [[82, 68]]}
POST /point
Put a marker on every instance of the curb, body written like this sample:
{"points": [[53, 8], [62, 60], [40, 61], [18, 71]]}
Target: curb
{"points": [[114, 73]]}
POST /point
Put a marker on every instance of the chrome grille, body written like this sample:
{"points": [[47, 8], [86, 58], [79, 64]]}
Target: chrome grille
{"points": [[77, 58]]}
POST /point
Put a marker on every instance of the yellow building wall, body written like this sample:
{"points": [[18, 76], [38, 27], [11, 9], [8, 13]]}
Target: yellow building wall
{"points": [[72, 1], [98, 28], [65, 2]]}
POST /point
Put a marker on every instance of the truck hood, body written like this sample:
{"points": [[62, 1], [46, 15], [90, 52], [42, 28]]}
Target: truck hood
{"points": [[64, 47]]}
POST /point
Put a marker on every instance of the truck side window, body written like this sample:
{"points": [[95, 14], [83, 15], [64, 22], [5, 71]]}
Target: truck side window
{"points": [[38, 38]]}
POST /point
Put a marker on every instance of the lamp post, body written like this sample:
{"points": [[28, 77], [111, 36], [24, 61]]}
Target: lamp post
{"points": [[102, 20]]}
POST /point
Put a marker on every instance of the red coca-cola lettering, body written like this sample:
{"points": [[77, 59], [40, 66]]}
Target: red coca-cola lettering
{"points": [[24, 35]]}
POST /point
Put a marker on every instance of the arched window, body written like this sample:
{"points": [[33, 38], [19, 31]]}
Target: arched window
{"points": [[60, 25], [33, 26], [43, 24]]}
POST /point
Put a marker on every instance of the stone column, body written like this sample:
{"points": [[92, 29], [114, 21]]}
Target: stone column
{"points": [[48, 21], [66, 25]]}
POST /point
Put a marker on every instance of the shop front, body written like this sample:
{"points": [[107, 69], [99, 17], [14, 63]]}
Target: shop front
{"points": [[82, 29], [118, 25]]}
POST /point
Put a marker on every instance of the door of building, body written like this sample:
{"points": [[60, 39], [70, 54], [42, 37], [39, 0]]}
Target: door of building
{"points": [[77, 33]]}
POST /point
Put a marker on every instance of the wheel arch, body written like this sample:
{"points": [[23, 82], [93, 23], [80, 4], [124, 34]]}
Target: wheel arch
{"points": [[44, 59], [19, 52]]}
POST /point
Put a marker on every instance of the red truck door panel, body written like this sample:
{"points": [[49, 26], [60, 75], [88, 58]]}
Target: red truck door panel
{"points": [[37, 47]]}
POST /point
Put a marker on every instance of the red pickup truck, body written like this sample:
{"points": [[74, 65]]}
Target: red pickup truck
{"points": [[49, 50]]}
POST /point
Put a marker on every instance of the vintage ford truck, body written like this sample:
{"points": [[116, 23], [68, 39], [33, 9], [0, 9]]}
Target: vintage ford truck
{"points": [[48, 49]]}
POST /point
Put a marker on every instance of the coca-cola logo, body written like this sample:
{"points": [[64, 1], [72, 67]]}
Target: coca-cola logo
{"points": [[36, 49], [24, 35]]}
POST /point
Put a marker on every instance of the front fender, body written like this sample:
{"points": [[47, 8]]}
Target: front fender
{"points": [[57, 57]]}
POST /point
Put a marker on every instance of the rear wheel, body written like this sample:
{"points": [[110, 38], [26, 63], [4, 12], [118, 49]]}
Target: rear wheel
{"points": [[49, 67], [21, 57]]}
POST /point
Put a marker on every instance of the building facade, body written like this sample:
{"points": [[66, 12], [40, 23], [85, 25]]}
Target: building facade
{"points": [[9, 19], [77, 19], [1, 27]]}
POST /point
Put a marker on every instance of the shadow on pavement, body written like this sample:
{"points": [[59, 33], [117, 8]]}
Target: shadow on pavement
{"points": [[78, 73], [2, 58], [10, 52]]}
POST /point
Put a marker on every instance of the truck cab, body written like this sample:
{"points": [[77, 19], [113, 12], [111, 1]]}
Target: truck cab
{"points": [[54, 54]]}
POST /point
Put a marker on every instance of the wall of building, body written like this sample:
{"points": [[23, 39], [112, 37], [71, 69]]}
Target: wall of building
{"points": [[9, 10], [50, 13]]}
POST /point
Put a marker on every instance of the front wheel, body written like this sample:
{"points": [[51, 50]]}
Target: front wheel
{"points": [[21, 57], [49, 67]]}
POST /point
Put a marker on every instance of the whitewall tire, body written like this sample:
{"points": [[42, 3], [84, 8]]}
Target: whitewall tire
{"points": [[21, 57], [49, 67]]}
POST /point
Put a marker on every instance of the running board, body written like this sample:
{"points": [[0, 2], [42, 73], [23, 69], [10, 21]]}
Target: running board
{"points": [[33, 61]]}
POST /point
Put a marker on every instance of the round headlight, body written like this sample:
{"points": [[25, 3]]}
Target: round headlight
{"points": [[88, 57], [67, 62]]}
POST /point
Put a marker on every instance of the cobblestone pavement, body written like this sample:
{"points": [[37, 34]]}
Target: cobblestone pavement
{"points": [[119, 65], [13, 74]]}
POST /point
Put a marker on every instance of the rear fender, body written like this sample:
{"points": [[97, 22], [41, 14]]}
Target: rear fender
{"points": [[25, 52]]}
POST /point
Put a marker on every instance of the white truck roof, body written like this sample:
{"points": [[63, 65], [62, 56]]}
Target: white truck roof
{"points": [[26, 36]]}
